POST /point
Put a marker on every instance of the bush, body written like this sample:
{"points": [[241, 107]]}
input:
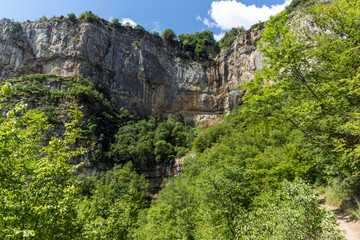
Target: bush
{"points": [[207, 137], [292, 212], [196, 44], [169, 35], [43, 18], [229, 37], [72, 17], [114, 23], [139, 29], [201, 52], [295, 4], [88, 16]]}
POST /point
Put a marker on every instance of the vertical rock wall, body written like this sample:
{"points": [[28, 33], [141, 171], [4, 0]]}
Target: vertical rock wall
{"points": [[140, 72]]}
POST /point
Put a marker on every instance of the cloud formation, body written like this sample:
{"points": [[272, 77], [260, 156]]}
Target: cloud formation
{"points": [[229, 14], [128, 20], [219, 36], [156, 27]]}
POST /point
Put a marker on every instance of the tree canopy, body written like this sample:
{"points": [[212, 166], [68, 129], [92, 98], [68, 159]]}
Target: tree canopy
{"points": [[37, 198]]}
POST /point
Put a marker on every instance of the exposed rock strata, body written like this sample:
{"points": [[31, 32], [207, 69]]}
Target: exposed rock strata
{"points": [[141, 72]]}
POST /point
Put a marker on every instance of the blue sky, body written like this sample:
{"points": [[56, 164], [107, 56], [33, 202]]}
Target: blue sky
{"points": [[183, 16]]}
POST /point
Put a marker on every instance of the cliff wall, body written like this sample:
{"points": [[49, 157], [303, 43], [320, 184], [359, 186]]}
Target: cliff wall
{"points": [[139, 71]]}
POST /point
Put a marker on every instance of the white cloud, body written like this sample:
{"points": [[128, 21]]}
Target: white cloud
{"points": [[208, 23], [128, 20], [229, 14], [219, 36], [198, 18], [156, 27]]}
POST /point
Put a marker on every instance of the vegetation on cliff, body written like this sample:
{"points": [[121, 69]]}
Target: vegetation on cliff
{"points": [[38, 196], [110, 136]]}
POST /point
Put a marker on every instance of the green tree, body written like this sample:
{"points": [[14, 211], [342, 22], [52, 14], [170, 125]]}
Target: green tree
{"points": [[151, 141], [89, 16], [201, 52], [114, 23], [72, 17], [196, 44], [168, 35], [319, 99], [229, 37], [140, 29], [43, 18], [292, 212], [37, 198], [116, 198]]}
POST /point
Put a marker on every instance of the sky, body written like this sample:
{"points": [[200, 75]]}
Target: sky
{"points": [[182, 16]]}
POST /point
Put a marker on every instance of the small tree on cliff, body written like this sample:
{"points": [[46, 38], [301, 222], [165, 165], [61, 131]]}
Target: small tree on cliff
{"points": [[168, 35]]}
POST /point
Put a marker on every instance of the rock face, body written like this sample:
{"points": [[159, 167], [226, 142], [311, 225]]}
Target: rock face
{"points": [[140, 71], [238, 65], [159, 176]]}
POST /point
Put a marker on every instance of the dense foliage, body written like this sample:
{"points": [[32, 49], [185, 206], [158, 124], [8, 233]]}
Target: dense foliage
{"points": [[49, 94], [38, 169], [111, 203], [37, 198], [111, 136], [196, 45], [147, 142]]}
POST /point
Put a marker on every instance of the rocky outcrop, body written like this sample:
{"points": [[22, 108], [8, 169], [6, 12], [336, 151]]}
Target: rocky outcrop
{"points": [[140, 71], [160, 175], [238, 65]]}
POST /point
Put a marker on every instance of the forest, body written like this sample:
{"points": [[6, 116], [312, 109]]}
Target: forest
{"points": [[253, 175]]}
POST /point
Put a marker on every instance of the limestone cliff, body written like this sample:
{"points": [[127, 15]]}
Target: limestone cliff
{"points": [[140, 71]]}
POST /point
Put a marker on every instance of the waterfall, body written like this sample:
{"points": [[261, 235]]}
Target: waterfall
{"points": [[170, 167], [236, 75], [169, 172], [235, 63]]}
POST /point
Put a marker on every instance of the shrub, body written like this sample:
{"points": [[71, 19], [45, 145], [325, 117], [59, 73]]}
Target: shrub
{"points": [[72, 17], [139, 29], [114, 23], [209, 136], [196, 44], [201, 52], [169, 35], [43, 18], [88, 16], [229, 37]]}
